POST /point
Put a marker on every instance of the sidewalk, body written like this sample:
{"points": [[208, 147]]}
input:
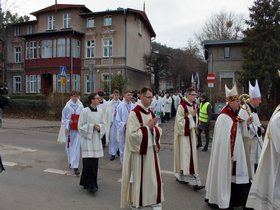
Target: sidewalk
{"points": [[41, 125]]}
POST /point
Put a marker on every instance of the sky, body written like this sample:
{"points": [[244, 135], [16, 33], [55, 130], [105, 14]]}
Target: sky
{"points": [[175, 22]]}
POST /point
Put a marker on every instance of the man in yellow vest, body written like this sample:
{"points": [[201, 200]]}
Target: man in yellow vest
{"points": [[205, 112]]}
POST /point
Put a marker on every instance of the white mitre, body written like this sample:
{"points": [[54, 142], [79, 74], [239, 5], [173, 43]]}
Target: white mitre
{"points": [[231, 94], [254, 92]]}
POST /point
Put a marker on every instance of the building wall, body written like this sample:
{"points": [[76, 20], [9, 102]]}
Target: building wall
{"points": [[138, 44]]}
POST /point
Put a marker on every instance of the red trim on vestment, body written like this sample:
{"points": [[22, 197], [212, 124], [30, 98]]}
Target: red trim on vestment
{"points": [[191, 157], [157, 137], [144, 143], [184, 104], [228, 111], [158, 178], [141, 183]]}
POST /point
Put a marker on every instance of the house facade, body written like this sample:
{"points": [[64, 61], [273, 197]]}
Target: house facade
{"points": [[69, 47], [224, 59]]}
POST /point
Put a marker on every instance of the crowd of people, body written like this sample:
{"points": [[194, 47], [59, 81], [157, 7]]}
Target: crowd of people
{"points": [[244, 163]]}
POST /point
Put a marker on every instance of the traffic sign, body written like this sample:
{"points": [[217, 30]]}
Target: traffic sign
{"points": [[62, 70], [63, 81], [211, 78]]}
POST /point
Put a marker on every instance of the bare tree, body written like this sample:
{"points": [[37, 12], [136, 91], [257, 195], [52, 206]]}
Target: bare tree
{"points": [[221, 26]]}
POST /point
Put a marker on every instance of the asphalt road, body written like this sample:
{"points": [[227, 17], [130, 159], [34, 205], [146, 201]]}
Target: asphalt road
{"points": [[37, 177]]}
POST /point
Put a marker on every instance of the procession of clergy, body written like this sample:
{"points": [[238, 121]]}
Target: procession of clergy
{"points": [[243, 169]]}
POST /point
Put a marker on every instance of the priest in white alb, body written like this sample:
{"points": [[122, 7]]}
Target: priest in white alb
{"points": [[141, 177], [228, 183], [252, 135], [124, 109], [265, 190], [185, 141]]}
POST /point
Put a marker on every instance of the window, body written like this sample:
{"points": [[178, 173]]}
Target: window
{"points": [[29, 29], [90, 22], [139, 25], [226, 52], [76, 82], [87, 84], [61, 48], [46, 48], [16, 31], [107, 20], [31, 50], [67, 47], [33, 83], [17, 84], [54, 48], [51, 23], [76, 48], [67, 21], [17, 54], [107, 48], [90, 49]]}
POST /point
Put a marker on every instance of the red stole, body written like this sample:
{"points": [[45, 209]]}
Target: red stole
{"points": [[186, 113], [228, 111], [74, 124], [144, 145]]}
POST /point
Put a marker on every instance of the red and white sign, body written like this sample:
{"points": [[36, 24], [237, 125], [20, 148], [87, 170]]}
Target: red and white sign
{"points": [[211, 78]]}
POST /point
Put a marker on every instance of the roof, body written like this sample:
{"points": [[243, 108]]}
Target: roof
{"points": [[57, 7], [222, 42], [140, 13], [69, 31]]}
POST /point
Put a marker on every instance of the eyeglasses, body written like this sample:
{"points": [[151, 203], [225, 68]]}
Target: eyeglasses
{"points": [[148, 97], [193, 94]]}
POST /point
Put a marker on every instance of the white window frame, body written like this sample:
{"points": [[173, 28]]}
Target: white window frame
{"points": [[139, 25], [67, 20], [46, 49], [61, 45], [226, 52], [76, 48], [17, 54], [90, 48], [108, 20], [31, 50], [51, 23], [76, 82], [107, 47], [87, 84], [90, 22], [32, 83], [17, 84]]}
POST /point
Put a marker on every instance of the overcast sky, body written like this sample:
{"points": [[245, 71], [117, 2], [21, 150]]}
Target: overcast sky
{"points": [[174, 21]]}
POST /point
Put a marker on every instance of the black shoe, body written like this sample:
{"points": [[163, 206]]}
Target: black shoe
{"points": [[204, 149], [199, 145], [113, 157], [93, 190], [77, 172], [196, 187], [118, 153]]}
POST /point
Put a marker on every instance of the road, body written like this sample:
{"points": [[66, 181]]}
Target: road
{"points": [[37, 177]]}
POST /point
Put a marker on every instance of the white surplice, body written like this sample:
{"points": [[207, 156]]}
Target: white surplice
{"points": [[265, 190], [71, 137], [90, 138], [122, 115], [252, 141]]}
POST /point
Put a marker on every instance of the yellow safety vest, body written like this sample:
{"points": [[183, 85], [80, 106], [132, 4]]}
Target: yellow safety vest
{"points": [[203, 116]]}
